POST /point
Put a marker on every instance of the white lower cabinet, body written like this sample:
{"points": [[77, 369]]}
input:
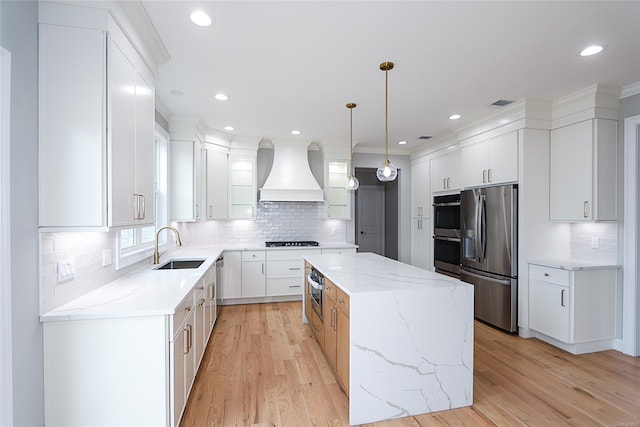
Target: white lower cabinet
{"points": [[285, 271], [231, 275], [125, 371], [573, 306], [253, 274]]}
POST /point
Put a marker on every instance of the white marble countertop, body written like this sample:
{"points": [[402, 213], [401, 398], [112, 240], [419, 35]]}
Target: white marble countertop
{"points": [[573, 264], [368, 272], [149, 292]]}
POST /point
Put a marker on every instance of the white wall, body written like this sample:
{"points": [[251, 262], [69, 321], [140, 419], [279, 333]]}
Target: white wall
{"points": [[18, 35]]}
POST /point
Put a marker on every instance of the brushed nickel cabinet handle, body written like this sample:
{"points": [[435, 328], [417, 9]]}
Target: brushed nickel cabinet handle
{"points": [[585, 207], [489, 178], [562, 304], [484, 175]]}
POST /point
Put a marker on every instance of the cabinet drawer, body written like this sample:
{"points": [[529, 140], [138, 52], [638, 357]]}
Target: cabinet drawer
{"points": [[549, 274], [252, 255], [284, 286], [285, 268], [343, 301], [291, 254], [339, 251], [183, 310], [329, 289]]}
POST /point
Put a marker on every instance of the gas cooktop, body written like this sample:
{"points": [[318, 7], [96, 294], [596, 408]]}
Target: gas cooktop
{"points": [[291, 243]]}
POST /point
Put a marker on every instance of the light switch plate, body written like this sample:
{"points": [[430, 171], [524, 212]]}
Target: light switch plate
{"points": [[595, 242], [66, 270], [106, 257]]}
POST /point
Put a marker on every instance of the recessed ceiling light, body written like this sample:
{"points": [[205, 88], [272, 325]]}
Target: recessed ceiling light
{"points": [[295, 132], [176, 92], [402, 142], [229, 128], [454, 116], [200, 18], [592, 50], [221, 97]]}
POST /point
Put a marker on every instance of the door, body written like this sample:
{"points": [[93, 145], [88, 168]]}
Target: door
{"points": [[370, 219]]}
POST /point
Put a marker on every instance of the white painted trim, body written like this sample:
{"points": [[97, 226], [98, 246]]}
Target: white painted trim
{"points": [[6, 350], [631, 245], [630, 90]]}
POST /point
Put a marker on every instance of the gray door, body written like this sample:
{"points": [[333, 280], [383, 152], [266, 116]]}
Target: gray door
{"points": [[488, 229], [370, 219]]}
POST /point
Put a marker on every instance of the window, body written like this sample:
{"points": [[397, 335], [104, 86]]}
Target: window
{"points": [[135, 244]]}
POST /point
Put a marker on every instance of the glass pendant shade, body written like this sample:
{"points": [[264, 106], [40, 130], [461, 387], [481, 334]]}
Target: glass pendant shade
{"points": [[387, 172], [352, 183]]}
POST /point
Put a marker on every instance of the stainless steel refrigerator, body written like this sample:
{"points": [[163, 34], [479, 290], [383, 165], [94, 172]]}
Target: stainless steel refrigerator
{"points": [[489, 258]]}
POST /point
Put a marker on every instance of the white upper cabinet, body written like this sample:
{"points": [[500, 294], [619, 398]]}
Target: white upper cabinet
{"points": [[184, 163], [337, 197], [446, 172], [95, 126], [583, 171], [493, 161], [216, 183], [132, 142], [242, 186]]}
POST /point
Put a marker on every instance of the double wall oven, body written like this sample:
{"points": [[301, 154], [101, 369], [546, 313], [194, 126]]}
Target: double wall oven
{"points": [[446, 234]]}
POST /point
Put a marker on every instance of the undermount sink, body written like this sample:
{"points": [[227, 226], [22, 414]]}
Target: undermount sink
{"points": [[179, 264]]}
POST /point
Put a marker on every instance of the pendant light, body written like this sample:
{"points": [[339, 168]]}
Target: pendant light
{"points": [[352, 181], [387, 172]]}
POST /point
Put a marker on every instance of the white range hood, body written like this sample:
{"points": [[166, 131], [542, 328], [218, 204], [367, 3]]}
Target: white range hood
{"points": [[290, 179]]}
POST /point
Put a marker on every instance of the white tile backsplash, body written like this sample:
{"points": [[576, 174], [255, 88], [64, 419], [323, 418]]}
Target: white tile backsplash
{"points": [[274, 221], [581, 237], [86, 249]]}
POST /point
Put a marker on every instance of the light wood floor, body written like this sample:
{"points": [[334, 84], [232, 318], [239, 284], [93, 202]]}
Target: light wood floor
{"points": [[262, 367]]}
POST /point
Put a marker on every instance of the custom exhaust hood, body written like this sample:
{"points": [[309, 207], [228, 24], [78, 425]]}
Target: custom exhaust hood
{"points": [[290, 179]]}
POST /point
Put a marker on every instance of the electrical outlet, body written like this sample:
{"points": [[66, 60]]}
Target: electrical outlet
{"points": [[106, 257], [595, 242], [66, 270]]}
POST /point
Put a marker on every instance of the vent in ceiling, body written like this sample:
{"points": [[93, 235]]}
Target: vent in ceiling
{"points": [[425, 137], [501, 102]]}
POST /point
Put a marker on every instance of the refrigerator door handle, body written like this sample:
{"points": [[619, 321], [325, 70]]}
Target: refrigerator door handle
{"points": [[478, 237], [483, 229]]}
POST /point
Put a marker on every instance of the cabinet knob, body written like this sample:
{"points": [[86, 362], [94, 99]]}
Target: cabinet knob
{"points": [[546, 274]]}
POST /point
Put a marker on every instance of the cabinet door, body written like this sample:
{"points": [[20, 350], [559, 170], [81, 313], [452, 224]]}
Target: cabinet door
{"points": [[216, 184], [420, 203], [72, 99], [342, 351], [232, 275], [571, 172], [421, 243], [181, 186], [503, 158], [145, 154], [338, 197], [330, 331], [200, 324], [475, 161], [180, 352], [446, 172], [549, 309], [123, 134], [253, 279], [242, 187]]}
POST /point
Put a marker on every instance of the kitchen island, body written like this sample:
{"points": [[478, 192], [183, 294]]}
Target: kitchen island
{"points": [[409, 337]]}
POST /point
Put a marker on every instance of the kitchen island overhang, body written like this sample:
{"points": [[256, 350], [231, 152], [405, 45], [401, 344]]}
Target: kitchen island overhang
{"points": [[411, 337]]}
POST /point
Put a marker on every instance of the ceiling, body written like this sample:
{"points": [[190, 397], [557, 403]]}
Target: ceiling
{"points": [[295, 64]]}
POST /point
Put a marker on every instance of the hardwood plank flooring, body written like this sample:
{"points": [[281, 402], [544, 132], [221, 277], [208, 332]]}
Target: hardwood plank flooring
{"points": [[262, 367]]}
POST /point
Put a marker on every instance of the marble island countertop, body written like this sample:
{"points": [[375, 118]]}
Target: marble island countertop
{"points": [[149, 292], [410, 336], [368, 272]]}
